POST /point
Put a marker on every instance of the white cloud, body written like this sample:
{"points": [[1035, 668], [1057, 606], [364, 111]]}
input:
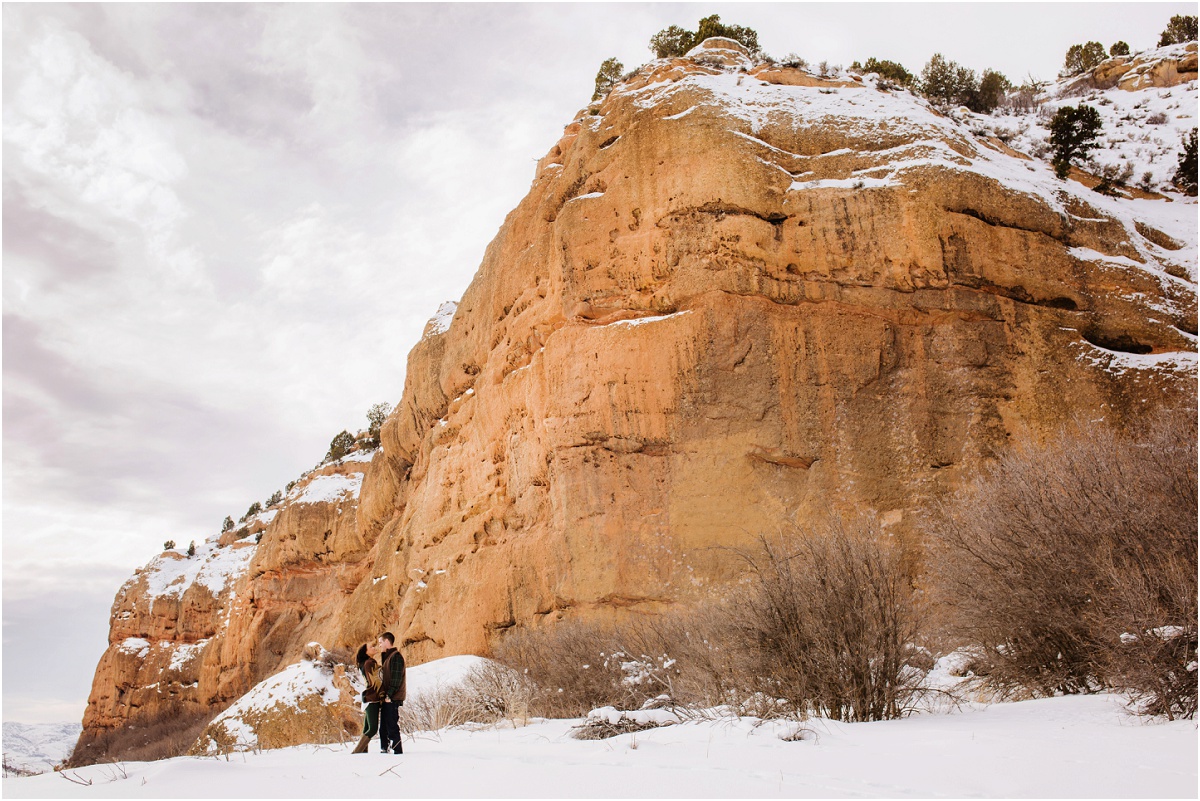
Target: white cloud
{"points": [[80, 130]]}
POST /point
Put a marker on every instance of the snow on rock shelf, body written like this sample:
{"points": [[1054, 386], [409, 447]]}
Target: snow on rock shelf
{"points": [[329, 489]]}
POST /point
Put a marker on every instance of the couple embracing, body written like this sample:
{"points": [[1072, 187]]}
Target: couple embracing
{"points": [[382, 666]]}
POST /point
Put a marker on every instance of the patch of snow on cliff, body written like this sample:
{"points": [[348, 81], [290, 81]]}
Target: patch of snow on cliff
{"points": [[440, 322], [1087, 254], [264, 517], [843, 183], [223, 565], [681, 114], [359, 456], [645, 320], [135, 646], [184, 653], [213, 566], [1119, 362], [329, 489]]}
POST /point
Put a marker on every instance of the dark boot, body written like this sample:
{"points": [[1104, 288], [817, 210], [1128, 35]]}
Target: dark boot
{"points": [[399, 746], [361, 748]]}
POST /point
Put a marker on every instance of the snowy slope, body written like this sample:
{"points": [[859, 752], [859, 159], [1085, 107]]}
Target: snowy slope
{"points": [[1077, 746], [39, 746], [1142, 130]]}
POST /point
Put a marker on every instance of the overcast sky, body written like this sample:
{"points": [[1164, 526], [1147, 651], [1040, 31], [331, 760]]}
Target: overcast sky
{"points": [[226, 225]]}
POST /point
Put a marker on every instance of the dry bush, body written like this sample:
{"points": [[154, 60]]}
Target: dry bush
{"points": [[696, 662], [827, 624], [498, 692], [567, 665], [1072, 566], [331, 657], [440, 709], [603, 729], [12, 768], [673, 659]]}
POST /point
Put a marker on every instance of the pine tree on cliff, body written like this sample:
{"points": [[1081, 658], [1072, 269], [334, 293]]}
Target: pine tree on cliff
{"points": [[1185, 175], [1181, 28], [1081, 58], [676, 41], [1073, 133], [607, 77]]}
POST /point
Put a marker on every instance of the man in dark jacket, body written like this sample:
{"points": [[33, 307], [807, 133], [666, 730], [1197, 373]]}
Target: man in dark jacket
{"points": [[392, 692]]}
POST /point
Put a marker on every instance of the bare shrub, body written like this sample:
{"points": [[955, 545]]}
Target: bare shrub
{"points": [[13, 768], [567, 665], [595, 728], [698, 660], [1072, 566], [328, 659], [440, 709], [680, 659], [498, 692], [827, 624]]}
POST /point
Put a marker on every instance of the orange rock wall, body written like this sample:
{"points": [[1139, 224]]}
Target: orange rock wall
{"points": [[731, 302]]}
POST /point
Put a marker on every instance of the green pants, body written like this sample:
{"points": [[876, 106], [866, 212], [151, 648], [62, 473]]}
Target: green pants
{"points": [[371, 720]]}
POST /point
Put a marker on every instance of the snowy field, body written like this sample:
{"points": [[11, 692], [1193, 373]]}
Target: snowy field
{"points": [[1070, 747]]}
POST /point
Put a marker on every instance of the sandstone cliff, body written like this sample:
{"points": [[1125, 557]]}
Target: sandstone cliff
{"points": [[1163, 67], [737, 296]]}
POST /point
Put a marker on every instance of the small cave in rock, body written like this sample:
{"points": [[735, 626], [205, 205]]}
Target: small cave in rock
{"points": [[1121, 343]]}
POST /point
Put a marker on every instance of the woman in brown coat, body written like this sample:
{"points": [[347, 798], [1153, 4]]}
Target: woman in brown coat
{"points": [[371, 696]]}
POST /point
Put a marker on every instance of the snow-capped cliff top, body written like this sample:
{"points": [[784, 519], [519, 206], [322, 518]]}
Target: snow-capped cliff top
{"points": [[213, 566], [895, 132]]}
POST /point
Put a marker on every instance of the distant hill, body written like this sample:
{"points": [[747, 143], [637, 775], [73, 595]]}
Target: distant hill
{"points": [[38, 747]]}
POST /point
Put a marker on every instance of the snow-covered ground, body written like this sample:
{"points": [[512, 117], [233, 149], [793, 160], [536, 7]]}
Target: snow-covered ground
{"points": [[38, 746], [1071, 747]]}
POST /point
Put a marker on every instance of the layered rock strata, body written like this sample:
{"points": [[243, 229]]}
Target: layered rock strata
{"points": [[736, 298]]}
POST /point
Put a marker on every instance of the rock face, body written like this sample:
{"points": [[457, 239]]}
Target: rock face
{"points": [[1164, 67], [736, 297], [191, 634]]}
